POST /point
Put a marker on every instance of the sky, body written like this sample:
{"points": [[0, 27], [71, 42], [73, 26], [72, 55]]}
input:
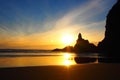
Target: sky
{"points": [[41, 24]]}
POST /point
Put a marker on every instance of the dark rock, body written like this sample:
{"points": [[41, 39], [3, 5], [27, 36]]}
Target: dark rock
{"points": [[65, 49], [68, 49], [109, 45], [57, 49], [83, 45]]}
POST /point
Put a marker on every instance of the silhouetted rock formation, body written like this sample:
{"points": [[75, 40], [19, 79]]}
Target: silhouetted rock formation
{"points": [[65, 49], [110, 44], [68, 49], [83, 45], [57, 49]]}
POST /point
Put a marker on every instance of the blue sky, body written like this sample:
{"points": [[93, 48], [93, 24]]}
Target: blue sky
{"points": [[27, 21], [19, 12]]}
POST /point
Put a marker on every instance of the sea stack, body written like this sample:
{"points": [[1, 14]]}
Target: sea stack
{"points": [[83, 46]]}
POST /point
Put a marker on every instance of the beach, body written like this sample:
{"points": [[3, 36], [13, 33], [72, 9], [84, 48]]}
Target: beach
{"points": [[59, 39], [92, 71]]}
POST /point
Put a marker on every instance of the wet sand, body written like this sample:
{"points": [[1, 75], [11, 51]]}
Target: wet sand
{"points": [[100, 71]]}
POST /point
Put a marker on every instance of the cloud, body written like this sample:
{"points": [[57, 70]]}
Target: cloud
{"points": [[81, 19], [85, 14]]}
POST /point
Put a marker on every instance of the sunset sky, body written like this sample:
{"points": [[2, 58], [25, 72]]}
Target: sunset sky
{"points": [[42, 24]]}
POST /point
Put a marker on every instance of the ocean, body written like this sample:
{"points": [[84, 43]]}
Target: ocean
{"points": [[25, 58], [48, 65]]}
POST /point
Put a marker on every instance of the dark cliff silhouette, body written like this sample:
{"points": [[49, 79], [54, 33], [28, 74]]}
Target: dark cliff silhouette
{"points": [[109, 45], [83, 45]]}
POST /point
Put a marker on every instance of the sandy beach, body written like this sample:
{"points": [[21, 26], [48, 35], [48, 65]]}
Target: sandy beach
{"points": [[100, 71]]}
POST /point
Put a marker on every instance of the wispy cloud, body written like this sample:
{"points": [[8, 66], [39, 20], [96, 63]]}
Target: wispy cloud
{"points": [[81, 19]]}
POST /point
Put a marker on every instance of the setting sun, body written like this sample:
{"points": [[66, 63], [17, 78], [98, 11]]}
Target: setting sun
{"points": [[67, 39]]}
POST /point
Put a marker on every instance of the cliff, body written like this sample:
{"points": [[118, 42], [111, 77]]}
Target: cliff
{"points": [[110, 44]]}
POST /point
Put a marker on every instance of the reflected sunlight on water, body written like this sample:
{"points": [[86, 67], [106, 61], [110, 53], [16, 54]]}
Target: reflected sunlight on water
{"points": [[69, 59], [65, 59]]}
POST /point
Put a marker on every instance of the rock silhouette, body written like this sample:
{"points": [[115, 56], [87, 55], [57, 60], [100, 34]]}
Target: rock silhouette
{"points": [[83, 45], [109, 45], [65, 49], [68, 49]]}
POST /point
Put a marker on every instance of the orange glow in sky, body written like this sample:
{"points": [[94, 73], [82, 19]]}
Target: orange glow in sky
{"points": [[43, 26]]}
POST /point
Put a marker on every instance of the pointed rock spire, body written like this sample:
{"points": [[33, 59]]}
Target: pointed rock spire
{"points": [[83, 45], [79, 36]]}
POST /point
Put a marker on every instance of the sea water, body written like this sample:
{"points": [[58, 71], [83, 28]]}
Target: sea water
{"points": [[39, 58]]}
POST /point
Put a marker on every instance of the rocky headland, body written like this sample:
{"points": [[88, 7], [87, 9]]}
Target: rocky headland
{"points": [[110, 44]]}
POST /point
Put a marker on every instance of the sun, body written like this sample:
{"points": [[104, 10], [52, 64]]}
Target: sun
{"points": [[67, 39]]}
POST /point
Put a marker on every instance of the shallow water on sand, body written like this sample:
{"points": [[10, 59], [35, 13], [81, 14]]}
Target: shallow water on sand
{"points": [[22, 59]]}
